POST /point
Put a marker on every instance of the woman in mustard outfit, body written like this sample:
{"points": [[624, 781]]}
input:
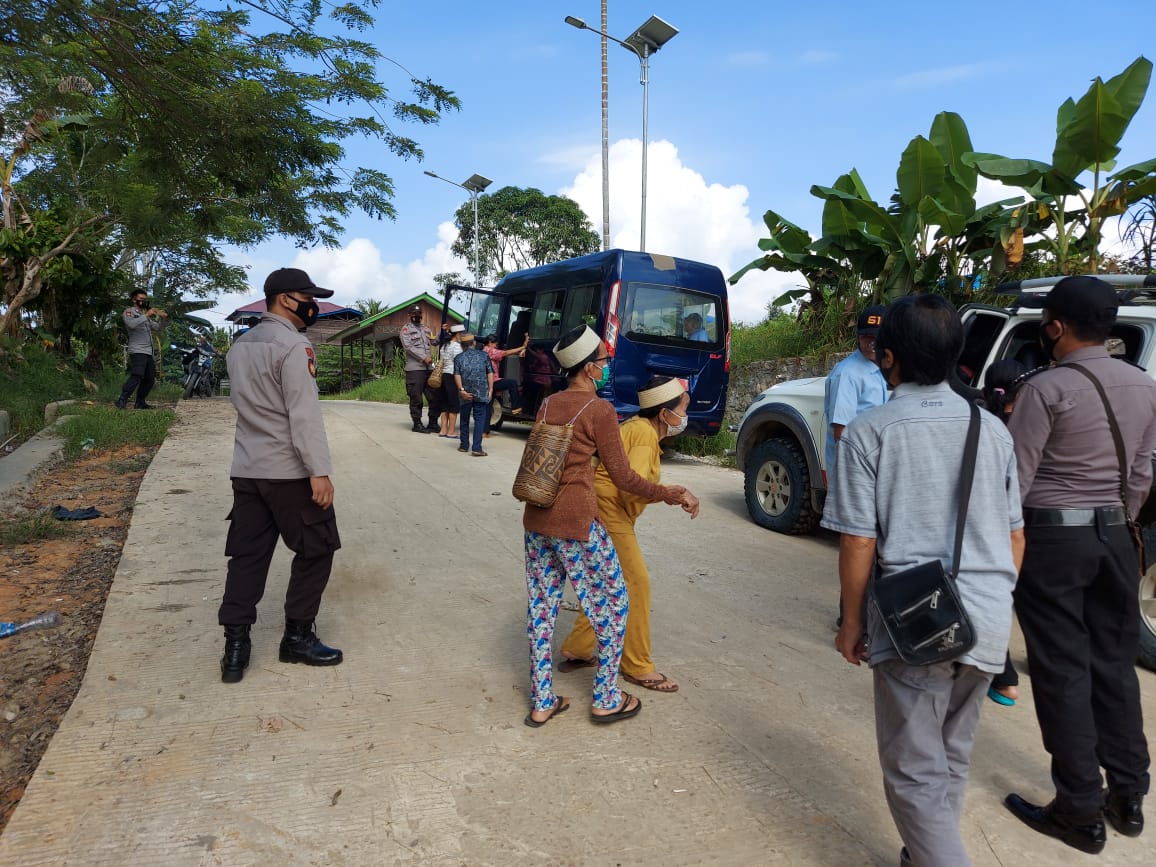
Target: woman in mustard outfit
{"points": [[663, 404]]}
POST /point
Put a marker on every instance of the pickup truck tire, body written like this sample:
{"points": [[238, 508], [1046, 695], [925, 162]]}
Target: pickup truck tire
{"points": [[1147, 657], [778, 487]]}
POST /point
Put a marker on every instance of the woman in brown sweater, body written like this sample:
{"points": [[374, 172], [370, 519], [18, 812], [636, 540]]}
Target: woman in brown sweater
{"points": [[567, 541]]}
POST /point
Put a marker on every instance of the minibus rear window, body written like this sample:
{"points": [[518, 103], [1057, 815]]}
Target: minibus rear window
{"points": [[672, 316]]}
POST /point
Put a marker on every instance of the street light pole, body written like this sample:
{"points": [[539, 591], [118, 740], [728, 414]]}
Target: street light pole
{"points": [[474, 184], [644, 41]]}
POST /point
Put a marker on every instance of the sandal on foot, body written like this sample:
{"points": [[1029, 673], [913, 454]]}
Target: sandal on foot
{"points": [[622, 713], [568, 665], [562, 706], [479, 454], [999, 698], [661, 684]]}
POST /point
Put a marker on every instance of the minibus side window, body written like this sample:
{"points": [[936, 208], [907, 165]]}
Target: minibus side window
{"points": [[546, 318], [581, 308]]}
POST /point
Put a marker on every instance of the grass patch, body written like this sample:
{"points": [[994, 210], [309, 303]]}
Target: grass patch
{"points": [[105, 427], [707, 447], [783, 336], [389, 389], [33, 527]]}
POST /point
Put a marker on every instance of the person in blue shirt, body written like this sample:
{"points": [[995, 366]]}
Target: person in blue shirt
{"points": [[692, 328], [855, 385]]}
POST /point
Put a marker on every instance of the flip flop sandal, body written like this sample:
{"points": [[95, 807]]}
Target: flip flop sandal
{"points": [[562, 707], [999, 698], [622, 712], [461, 449], [568, 665], [479, 454], [663, 684]]}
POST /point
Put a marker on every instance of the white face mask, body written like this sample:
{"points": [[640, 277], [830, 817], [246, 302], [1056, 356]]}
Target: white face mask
{"points": [[679, 428]]}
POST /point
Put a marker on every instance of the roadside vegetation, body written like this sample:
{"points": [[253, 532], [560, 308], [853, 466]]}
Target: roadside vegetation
{"points": [[104, 427], [32, 527], [33, 375]]}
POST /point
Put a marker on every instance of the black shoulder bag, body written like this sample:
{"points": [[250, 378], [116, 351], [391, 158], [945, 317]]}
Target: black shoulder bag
{"points": [[1136, 531], [920, 607]]}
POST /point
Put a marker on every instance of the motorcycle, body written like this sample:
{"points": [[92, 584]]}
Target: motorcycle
{"points": [[198, 364]]}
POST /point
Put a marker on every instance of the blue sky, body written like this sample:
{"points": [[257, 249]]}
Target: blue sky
{"points": [[750, 104]]}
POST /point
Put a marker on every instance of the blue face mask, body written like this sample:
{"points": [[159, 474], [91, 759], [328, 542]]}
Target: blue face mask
{"points": [[604, 378]]}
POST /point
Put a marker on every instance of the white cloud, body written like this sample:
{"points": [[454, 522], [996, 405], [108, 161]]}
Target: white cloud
{"points": [[685, 216], [749, 58], [818, 57], [357, 270], [942, 75]]}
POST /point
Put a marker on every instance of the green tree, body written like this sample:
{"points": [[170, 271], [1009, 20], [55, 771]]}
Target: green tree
{"points": [[369, 306], [521, 228], [1088, 135], [160, 125]]}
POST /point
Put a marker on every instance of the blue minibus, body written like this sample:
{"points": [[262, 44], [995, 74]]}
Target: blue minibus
{"points": [[659, 315]]}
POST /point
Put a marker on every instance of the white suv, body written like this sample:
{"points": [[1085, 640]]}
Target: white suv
{"points": [[781, 436]]}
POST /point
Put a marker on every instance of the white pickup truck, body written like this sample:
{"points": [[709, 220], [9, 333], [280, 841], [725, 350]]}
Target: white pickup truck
{"points": [[781, 435]]}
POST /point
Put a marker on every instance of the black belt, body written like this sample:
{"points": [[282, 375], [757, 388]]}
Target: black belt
{"points": [[1109, 516]]}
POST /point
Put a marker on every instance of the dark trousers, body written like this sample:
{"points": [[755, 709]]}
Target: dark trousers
{"points": [[142, 374], [477, 411], [263, 510], [416, 387], [1077, 601]]}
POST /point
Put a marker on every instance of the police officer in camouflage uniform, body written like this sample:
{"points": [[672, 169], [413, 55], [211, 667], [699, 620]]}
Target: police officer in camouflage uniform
{"points": [[1078, 592], [280, 475]]}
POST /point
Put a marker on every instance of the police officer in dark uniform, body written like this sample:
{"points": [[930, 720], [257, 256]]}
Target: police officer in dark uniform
{"points": [[280, 474], [1077, 597]]}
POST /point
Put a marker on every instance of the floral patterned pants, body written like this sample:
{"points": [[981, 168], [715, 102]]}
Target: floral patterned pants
{"points": [[593, 570]]}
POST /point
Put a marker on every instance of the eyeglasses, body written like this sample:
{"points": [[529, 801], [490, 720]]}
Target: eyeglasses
{"points": [[600, 360]]}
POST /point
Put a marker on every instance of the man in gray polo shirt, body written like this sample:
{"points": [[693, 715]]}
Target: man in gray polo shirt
{"points": [[896, 506]]}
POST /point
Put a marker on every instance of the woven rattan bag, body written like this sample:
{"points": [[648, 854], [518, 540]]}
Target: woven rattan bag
{"points": [[539, 477], [435, 376]]}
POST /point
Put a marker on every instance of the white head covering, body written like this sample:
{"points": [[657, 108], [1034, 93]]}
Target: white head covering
{"points": [[579, 350], [457, 329], [660, 394]]}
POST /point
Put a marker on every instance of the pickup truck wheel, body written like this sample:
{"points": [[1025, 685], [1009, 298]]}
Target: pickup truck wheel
{"points": [[778, 489], [1147, 657]]}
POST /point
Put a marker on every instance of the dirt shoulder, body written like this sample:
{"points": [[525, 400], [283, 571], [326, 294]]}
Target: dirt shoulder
{"points": [[41, 671]]}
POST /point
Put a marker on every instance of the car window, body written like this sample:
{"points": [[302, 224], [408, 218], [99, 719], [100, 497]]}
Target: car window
{"points": [[671, 315]]}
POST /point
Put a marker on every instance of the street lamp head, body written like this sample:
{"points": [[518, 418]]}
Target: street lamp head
{"points": [[432, 174], [476, 183], [651, 36], [576, 22]]}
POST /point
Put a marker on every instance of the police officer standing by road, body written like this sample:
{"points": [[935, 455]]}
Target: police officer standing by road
{"points": [[142, 323], [415, 341], [280, 474], [1078, 427]]}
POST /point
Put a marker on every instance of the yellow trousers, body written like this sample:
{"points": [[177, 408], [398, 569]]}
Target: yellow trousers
{"points": [[581, 643]]}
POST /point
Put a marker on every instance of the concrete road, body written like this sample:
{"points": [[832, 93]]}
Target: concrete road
{"points": [[414, 752]]}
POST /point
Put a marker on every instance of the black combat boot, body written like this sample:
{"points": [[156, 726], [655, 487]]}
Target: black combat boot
{"points": [[301, 644], [237, 650], [417, 427]]}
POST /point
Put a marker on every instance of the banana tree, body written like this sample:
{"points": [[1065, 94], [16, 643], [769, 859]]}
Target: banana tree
{"points": [[1088, 135]]}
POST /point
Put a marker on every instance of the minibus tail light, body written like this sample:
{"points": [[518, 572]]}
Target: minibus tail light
{"points": [[727, 353], [612, 318]]}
